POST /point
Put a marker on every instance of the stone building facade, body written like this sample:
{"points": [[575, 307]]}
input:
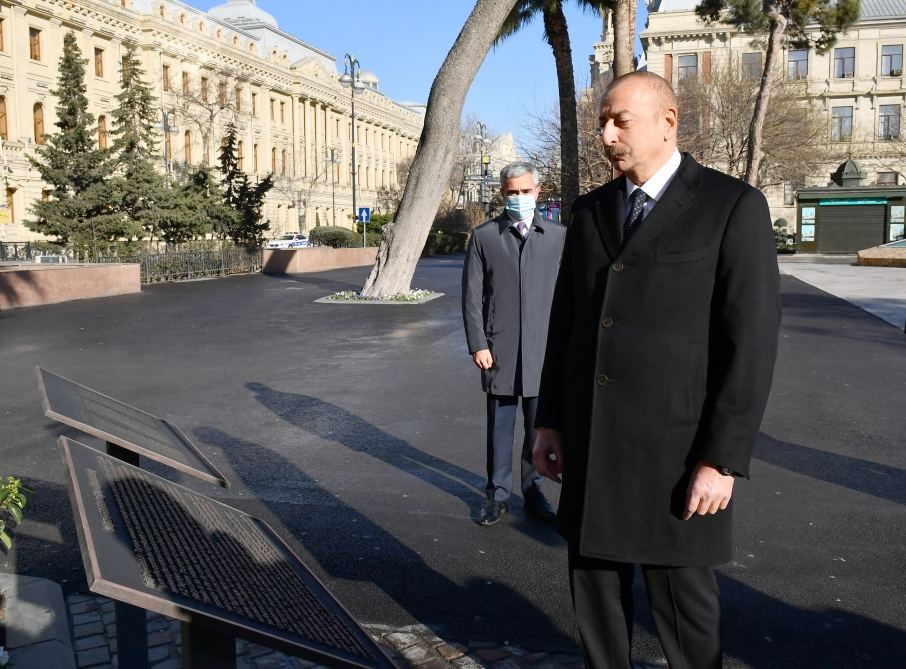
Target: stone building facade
{"points": [[859, 83], [206, 69]]}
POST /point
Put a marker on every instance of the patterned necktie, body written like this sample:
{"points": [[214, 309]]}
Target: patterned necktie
{"points": [[636, 211]]}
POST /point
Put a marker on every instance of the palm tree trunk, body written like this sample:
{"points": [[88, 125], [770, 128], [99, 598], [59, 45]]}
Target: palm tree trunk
{"points": [[404, 239], [624, 37], [775, 34], [558, 37]]}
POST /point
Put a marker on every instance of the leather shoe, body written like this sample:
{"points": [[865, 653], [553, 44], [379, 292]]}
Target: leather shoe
{"points": [[491, 510], [537, 505]]}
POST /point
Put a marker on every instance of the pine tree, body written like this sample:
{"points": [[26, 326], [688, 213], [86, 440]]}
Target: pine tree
{"points": [[239, 195], [141, 188], [82, 203]]}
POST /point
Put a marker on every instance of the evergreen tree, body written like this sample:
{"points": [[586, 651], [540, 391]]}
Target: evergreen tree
{"points": [[141, 188], [240, 196], [82, 205]]}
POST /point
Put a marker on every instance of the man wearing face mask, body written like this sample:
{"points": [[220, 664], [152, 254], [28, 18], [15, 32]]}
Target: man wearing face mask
{"points": [[507, 286]]}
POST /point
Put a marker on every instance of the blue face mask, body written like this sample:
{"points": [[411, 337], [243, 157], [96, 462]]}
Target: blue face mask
{"points": [[520, 206]]}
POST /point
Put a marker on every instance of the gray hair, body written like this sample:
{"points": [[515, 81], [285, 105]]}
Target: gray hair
{"points": [[517, 169]]}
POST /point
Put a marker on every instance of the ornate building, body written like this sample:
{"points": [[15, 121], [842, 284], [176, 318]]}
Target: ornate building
{"points": [[232, 63], [859, 84]]}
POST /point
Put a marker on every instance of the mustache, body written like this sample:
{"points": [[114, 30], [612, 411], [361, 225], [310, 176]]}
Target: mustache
{"points": [[617, 150]]}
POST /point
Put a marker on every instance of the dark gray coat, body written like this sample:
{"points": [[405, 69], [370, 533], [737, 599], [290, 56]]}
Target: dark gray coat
{"points": [[506, 298], [660, 354]]}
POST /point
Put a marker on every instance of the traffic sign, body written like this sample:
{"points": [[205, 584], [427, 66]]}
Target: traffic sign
{"points": [[364, 215]]}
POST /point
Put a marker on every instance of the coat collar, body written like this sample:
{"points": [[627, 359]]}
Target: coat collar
{"points": [[676, 199], [504, 222]]}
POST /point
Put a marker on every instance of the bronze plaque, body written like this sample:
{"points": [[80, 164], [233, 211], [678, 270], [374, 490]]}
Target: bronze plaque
{"points": [[118, 423], [157, 545]]}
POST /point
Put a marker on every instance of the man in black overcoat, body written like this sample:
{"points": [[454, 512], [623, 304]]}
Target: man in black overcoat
{"points": [[659, 361], [507, 285]]}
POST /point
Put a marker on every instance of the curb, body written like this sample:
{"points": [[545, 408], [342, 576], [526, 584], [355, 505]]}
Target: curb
{"points": [[37, 625]]}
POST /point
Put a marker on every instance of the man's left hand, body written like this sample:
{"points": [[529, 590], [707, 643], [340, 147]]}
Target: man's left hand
{"points": [[709, 491]]}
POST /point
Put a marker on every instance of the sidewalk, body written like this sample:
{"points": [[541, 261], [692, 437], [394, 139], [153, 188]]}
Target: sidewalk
{"points": [[880, 291]]}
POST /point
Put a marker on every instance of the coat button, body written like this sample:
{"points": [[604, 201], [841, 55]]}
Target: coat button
{"points": [[607, 322], [602, 380], [617, 266]]}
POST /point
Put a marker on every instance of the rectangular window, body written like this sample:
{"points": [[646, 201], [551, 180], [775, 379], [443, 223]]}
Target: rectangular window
{"points": [[892, 60], [166, 77], [237, 98], [841, 124], [273, 108], [887, 178], [2, 45], [221, 94], [124, 65], [845, 62], [10, 204], [282, 112], [889, 122], [204, 89], [186, 83], [98, 62], [34, 43], [254, 104], [797, 64], [687, 66], [751, 66]]}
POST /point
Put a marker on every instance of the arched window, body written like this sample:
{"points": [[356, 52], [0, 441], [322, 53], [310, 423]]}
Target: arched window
{"points": [[274, 161], [240, 156], [102, 132], [187, 147], [3, 127], [283, 163], [255, 151], [38, 122]]}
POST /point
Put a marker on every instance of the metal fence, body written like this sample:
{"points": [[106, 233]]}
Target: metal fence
{"points": [[163, 265]]}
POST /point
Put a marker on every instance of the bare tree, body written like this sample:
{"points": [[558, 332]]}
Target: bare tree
{"points": [[402, 243], [714, 119], [389, 197]]}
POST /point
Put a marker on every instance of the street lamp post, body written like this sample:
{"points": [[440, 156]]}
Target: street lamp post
{"points": [[350, 78], [333, 160], [482, 137]]}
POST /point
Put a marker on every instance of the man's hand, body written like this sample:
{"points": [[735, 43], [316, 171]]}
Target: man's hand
{"points": [[709, 491], [483, 358], [547, 454]]}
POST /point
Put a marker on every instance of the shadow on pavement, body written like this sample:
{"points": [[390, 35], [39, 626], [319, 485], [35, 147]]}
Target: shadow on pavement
{"points": [[349, 546], [768, 633], [865, 476]]}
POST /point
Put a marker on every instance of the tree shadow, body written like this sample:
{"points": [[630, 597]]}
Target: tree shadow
{"points": [[768, 633], [349, 546], [871, 478], [333, 423]]}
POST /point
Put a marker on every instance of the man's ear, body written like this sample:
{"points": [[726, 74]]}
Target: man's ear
{"points": [[670, 121]]}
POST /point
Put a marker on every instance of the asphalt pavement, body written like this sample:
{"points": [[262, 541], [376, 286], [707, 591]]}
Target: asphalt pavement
{"points": [[357, 432]]}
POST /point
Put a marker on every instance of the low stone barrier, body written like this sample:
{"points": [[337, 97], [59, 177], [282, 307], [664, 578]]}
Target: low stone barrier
{"points": [[882, 257], [28, 285], [315, 259]]}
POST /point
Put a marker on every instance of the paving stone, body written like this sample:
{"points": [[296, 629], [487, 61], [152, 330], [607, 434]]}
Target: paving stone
{"points": [[92, 657], [111, 630], [273, 661], [81, 607], [418, 654], [170, 663], [87, 629], [159, 638], [508, 663], [434, 663], [158, 654], [466, 662], [108, 618], [564, 659], [401, 640], [254, 650], [78, 599], [449, 652], [483, 644], [532, 658], [84, 618], [492, 654], [87, 642]]}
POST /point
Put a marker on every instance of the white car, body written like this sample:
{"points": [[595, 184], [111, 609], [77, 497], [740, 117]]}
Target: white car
{"points": [[292, 240]]}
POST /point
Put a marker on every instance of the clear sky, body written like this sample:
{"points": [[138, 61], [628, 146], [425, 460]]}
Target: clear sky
{"points": [[404, 42]]}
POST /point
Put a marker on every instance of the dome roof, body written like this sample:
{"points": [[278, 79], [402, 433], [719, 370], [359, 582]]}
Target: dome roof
{"points": [[242, 12]]}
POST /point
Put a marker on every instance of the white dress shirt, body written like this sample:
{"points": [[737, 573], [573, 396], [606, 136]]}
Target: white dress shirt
{"points": [[655, 186]]}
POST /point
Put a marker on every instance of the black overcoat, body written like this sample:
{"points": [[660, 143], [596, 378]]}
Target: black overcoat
{"points": [[507, 287], [660, 354]]}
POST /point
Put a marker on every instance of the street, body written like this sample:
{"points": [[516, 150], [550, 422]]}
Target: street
{"points": [[357, 432]]}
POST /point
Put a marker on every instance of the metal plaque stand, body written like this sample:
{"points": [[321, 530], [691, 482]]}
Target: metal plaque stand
{"points": [[205, 648]]}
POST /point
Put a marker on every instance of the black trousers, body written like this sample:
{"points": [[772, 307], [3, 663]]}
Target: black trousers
{"points": [[685, 603], [500, 430]]}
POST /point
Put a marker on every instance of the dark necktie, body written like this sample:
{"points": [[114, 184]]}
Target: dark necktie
{"points": [[636, 211]]}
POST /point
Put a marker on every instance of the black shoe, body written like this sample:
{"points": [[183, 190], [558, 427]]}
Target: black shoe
{"points": [[537, 505], [491, 511]]}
